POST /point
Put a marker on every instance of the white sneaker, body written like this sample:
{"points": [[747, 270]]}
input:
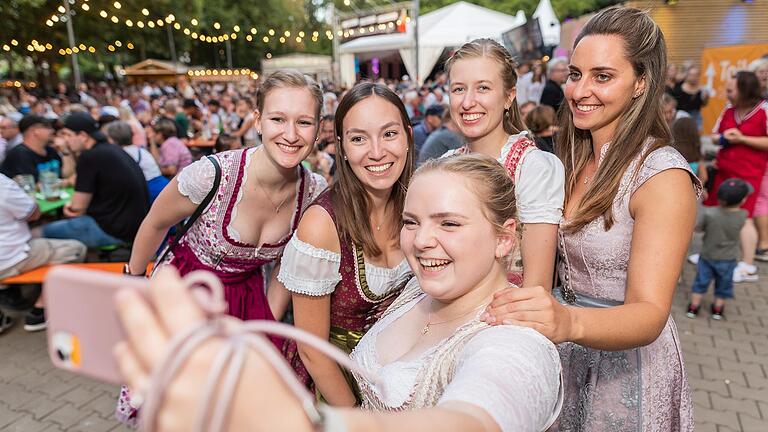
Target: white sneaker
{"points": [[693, 259], [740, 275], [749, 268]]}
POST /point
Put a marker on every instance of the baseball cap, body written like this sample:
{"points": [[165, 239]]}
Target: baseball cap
{"points": [[733, 191], [435, 110], [30, 120], [83, 122], [110, 111]]}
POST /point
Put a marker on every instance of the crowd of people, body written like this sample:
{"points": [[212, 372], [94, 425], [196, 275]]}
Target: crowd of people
{"points": [[499, 246]]}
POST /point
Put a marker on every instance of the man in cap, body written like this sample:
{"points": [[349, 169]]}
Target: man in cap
{"points": [[111, 197], [36, 153], [433, 120]]}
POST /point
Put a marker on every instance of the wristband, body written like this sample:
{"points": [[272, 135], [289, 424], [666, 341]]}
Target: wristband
{"points": [[127, 271]]}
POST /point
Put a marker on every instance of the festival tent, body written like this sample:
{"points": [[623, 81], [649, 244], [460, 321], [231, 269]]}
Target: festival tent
{"points": [[448, 27], [153, 70], [548, 23]]}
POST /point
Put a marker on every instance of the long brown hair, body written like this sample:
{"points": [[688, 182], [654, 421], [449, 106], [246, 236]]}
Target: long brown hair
{"points": [[351, 202], [686, 139], [643, 116], [748, 86], [513, 120]]}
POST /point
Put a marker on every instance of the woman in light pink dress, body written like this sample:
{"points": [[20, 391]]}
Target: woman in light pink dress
{"points": [[629, 213]]}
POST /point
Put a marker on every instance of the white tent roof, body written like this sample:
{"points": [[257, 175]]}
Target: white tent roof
{"points": [[450, 26], [548, 22], [447, 27]]}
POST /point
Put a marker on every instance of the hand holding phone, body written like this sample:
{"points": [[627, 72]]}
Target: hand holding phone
{"points": [[83, 323], [83, 326]]}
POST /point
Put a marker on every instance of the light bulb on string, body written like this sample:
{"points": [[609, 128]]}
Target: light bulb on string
{"points": [[145, 12], [117, 5]]}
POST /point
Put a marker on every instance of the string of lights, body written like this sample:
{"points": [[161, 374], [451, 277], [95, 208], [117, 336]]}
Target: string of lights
{"points": [[40, 47], [251, 33]]}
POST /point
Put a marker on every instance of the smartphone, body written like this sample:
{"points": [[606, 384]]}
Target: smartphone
{"points": [[83, 326]]}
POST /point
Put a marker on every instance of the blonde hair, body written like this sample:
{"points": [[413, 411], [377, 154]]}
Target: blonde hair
{"points": [[513, 120], [289, 78], [490, 180], [643, 116]]}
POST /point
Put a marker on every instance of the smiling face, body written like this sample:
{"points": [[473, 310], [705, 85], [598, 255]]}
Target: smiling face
{"points": [[288, 125], [447, 239], [601, 84], [375, 143], [478, 97], [762, 76]]}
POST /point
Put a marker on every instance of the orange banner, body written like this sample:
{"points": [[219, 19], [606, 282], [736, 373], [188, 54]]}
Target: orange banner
{"points": [[717, 65]]}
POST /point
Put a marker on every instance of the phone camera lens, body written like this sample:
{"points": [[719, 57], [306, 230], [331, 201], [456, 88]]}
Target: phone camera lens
{"points": [[60, 355]]}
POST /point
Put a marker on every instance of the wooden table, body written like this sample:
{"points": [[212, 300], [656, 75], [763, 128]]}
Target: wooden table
{"points": [[47, 206], [201, 142]]}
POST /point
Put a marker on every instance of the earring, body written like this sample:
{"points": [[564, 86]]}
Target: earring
{"points": [[345, 157]]}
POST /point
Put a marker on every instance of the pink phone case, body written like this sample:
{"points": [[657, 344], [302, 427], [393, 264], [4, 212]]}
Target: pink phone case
{"points": [[83, 326]]}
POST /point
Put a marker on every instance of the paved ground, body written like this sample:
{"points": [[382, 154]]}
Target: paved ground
{"points": [[727, 365]]}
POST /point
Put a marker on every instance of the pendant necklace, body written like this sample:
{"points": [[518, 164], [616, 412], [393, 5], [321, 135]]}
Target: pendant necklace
{"points": [[429, 324], [263, 189]]}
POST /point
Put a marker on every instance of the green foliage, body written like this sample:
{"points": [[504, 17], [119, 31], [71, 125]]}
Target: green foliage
{"points": [[24, 20]]}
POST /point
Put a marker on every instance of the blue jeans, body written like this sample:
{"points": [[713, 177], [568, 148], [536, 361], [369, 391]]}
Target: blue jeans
{"points": [[720, 271], [82, 228]]}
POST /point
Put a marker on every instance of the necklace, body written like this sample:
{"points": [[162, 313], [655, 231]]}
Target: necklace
{"points": [[263, 189], [429, 324]]}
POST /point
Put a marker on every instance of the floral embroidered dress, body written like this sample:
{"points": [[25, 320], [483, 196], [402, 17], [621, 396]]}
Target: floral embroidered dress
{"points": [[513, 373], [359, 291], [641, 389], [539, 179], [212, 244]]}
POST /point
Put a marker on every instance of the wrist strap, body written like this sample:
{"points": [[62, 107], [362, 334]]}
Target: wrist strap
{"points": [[332, 420], [224, 374]]}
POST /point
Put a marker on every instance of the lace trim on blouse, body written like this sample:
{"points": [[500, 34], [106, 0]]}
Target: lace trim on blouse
{"points": [[196, 180], [309, 270]]}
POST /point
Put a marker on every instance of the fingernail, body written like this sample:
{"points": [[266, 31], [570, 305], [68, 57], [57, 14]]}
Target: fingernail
{"points": [[484, 316], [491, 319]]}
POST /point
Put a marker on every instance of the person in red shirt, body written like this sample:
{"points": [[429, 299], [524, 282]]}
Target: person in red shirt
{"points": [[742, 131]]}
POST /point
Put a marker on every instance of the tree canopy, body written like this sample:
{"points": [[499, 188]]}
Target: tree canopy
{"points": [[110, 32]]}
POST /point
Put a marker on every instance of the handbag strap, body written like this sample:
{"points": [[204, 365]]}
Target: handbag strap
{"points": [[198, 211]]}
